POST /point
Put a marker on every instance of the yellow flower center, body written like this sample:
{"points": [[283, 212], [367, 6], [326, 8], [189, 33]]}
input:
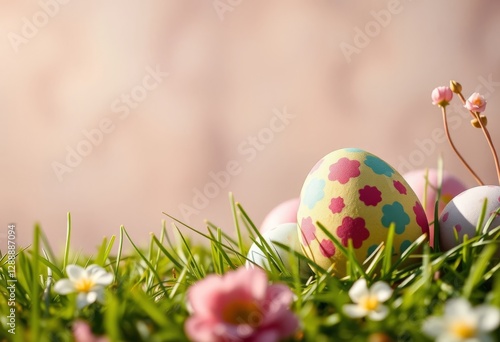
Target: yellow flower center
{"points": [[369, 303], [463, 329], [84, 285], [242, 312], [477, 101]]}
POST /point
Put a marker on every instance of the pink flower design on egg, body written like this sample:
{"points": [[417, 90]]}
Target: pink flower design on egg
{"points": [[343, 170], [308, 230], [445, 217], [370, 195], [327, 248], [336, 205], [399, 187], [354, 229], [421, 217]]}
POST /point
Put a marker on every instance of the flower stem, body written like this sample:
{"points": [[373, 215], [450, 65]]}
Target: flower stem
{"points": [[487, 136], [445, 120]]}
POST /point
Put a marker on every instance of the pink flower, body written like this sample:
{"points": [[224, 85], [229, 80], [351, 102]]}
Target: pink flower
{"points": [[441, 96], [83, 333], [240, 306], [355, 229], [308, 230], [343, 170], [370, 195], [476, 103]]}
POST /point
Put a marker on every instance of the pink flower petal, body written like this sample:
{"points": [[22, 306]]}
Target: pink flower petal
{"points": [[308, 230], [240, 306], [204, 295]]}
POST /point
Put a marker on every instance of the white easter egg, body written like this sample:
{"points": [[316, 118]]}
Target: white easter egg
{"points": [[463, 212], [285, 234]]}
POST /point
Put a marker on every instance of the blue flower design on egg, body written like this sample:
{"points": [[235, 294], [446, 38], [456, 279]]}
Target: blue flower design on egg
{"points": [[315, 192], [379, 166], [352, 149], [373, 248], [404, 246], [395, 213], [370, 250]]}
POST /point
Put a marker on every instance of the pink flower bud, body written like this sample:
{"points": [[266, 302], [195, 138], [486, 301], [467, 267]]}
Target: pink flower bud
{"points": [[476, 103], [441, 96]]}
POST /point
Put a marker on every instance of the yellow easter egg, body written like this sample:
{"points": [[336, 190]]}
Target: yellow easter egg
{"points": [[356, 196]]}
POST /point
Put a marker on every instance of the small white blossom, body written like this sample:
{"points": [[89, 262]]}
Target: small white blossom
{"points": [[88, 282], [368, 301], [463, 323]]}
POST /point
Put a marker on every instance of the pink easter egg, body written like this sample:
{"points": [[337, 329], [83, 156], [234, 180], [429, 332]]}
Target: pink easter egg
{"points": [[285, 212], [451, 187]]}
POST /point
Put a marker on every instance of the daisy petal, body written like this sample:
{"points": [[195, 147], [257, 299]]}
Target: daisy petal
{"points": [[379, 314], [91, 297], [354, 311], [104, 279], [75, 272], [381, 290], [433, 326], [81, 300], [488, 317], [457, 307], [64, 286], [358, 290]]}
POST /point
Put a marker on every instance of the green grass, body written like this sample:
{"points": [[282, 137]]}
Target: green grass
{"points": [[147, 301]]}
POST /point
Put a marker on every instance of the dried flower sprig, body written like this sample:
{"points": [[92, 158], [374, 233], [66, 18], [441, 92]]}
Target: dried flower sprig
{"points": [[441, 96], [476, 104]]}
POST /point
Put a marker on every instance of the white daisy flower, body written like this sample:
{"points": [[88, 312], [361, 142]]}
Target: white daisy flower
{"points": [[88, 282], [368, 301], [463, 323]]}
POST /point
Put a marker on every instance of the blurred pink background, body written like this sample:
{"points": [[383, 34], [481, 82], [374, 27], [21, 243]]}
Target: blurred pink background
{"points": [[231, 68]]}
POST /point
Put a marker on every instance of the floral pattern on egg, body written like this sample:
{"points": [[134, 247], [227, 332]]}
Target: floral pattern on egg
{"points": [[356, 196]]}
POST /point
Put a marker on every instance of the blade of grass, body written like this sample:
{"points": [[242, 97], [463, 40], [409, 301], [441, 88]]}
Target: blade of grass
{"points": [[120, 250], [68, 239], [440, 167], [200, 273], [208, 237], [151, 268], [48, 247], [482, 217], [112, 318], [35, 288], [408, 251], [104, 250], [478, 269], [221, 253], [236, 223], [168, 254], [144, 302], [389, 243]]}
